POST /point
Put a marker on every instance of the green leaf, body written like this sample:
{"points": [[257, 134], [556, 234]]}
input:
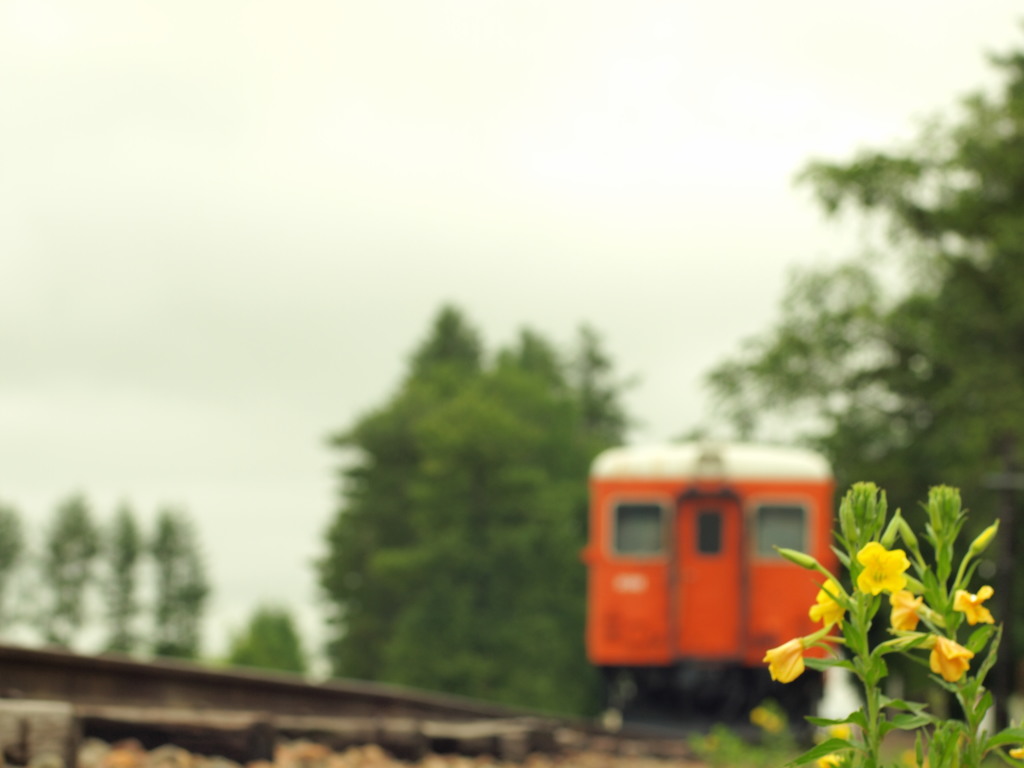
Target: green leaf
{"points": [[906, 722], [830, 663], [980, 637], [843, 557], [879, 668], [984, 705], [1005, 736], [951, 687], [990, 657], [916, 707], [825, 748], [857, 717]]}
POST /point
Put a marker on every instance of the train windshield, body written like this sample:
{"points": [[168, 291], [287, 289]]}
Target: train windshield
{"points": [[638, 529], [780, 525]]}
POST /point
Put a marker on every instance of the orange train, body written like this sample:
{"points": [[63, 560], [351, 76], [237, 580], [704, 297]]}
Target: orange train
{"points": [[685, 589]]}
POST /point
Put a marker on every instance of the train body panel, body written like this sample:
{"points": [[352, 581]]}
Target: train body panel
{"points": [[680, 558]]}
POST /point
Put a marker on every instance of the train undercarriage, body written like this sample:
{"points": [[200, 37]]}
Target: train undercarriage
{"points": [[694, 695]]}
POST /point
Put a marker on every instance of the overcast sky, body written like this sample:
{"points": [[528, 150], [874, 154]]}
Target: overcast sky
{"points": [[224, 225]]}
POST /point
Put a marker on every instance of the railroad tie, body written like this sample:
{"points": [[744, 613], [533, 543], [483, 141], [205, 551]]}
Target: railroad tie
{"points": [[39, 734]]}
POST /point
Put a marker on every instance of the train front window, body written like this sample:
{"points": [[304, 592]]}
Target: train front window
{"points": [[638, 529], [780, 525]]}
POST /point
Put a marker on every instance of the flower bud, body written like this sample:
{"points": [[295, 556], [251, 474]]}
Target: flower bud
{"points": [[889, 535], [800, 558], [915, 586], [983, 540], [931, 616], [910, 640], [908, 536]]}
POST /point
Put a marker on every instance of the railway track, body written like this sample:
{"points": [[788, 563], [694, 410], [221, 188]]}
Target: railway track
{"points": [[51, 700]]}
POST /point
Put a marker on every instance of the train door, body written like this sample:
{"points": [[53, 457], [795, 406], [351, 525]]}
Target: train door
{"points": [[709, 600]]}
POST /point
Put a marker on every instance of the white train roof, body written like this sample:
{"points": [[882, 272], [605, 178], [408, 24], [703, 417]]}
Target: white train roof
{"points": [[711, 459]]}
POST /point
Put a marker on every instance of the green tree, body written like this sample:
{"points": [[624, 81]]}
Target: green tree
{"points": [[181, 586], [922, 385], [69, 554], [269, 641], [361, 607], [453, 562], [12, 550], [451, 351], [123, 546], [599, 392]]}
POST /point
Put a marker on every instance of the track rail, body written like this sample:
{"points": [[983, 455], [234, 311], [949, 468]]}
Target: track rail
{"points": [[61, 696], [120, 680]]}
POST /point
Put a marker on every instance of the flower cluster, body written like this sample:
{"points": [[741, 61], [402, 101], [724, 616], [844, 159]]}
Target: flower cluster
{"points": [[927, 608], [884, 572]]}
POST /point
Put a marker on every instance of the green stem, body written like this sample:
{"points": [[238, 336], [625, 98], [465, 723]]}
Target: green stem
{"points": [[873, 736], [960, 573], [972, 717], [868, 673]]}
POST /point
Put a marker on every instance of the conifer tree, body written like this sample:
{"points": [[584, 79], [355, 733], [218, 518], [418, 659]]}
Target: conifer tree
{"points": [[269, 641], [12, 549], [181, 586], [453, 561], [361, 604], [70, 549], [122, 550]]}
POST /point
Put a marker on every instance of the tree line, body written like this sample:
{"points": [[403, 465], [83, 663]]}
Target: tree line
{"points": [[81, 561], [452, 561]]}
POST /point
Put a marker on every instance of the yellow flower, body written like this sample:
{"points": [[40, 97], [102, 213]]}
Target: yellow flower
{"points": [[841, 731], [1017, 753], [883, 569], [767, 720], [786, 662], [827, 609], [971, 605], [904, 610], [984, 539], [831, 760], [949, 659]]}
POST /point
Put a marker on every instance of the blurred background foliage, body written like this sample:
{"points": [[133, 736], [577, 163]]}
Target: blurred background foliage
{"points": [[50, 591], [269, 641], [906, 365]]}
